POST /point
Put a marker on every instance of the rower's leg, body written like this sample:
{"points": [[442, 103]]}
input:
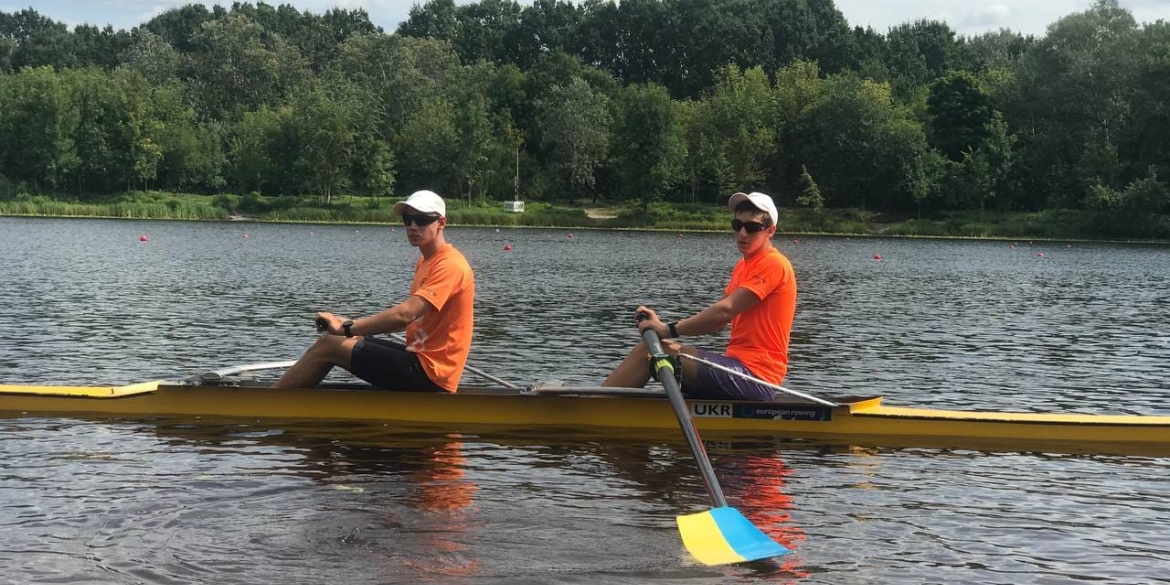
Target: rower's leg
{"points": [[326, 352], [633, 372]]}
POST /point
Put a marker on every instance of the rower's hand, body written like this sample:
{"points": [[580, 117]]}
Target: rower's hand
{"points": [[648, 319], [329, 323]]}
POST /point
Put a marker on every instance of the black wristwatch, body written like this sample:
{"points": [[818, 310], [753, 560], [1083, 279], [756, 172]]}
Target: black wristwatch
{"points": [[345, 327], [673, 326]]}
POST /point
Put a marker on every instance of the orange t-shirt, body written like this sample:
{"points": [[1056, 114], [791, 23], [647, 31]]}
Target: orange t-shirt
{"points": [[759, 335], [442, 338]]}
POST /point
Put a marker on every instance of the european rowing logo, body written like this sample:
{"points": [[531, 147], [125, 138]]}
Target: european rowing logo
{"points": [[785, 412]]}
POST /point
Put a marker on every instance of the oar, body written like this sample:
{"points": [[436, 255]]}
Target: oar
{"points": [[721, 535]]}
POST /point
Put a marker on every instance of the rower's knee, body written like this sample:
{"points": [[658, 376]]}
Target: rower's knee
{"points": [[333, 349]]}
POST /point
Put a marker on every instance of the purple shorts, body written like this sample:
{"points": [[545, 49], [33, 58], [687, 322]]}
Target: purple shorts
{"points": [[719, 385]]}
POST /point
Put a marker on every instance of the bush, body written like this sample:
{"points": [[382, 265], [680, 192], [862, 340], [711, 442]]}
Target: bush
{"points": [[228, 203], [253, 202]]}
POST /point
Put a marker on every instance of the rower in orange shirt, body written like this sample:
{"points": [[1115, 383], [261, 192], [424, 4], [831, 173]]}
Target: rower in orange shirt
{"points": [[759, 303], [437, 316]]}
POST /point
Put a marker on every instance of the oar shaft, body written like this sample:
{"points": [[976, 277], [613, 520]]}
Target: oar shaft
{"points": [[711, 364], [683, 414], [477, 372]]}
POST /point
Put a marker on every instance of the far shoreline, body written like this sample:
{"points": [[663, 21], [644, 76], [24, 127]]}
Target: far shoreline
{"points": [[251, 219]]}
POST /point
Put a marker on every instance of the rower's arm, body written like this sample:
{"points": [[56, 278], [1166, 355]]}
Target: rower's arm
{"points": [[714, 318], [394, 319]]}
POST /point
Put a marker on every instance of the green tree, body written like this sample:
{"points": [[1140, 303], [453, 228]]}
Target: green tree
{"points": [[99, 137], [401, 72], [153, 57], [99, 47], [575, 121], [327, 130], [254, 149], [428, 146], [433, 19], [739, 121], [37, 105], [863, 149], [649, 146], [1073, 90], [180, 27], [238, 66], [798, 88], [378, 169], [960, 112], [810, 193], [1147, 140], [39, 41]]}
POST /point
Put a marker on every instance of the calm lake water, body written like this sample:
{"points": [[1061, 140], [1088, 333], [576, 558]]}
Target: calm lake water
{"points": [[981, 325]]}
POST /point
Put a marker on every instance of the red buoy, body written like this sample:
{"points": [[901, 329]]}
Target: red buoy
{"points": [[877, 256], [142, 238], [507, 247]]}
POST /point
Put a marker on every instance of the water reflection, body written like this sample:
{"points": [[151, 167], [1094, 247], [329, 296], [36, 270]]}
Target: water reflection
{"points": [[409, 491], [756, 484]]}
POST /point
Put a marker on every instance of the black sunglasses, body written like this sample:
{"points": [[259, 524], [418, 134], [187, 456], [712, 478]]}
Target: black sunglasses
{"points": [[419, 220], [752, 227]]}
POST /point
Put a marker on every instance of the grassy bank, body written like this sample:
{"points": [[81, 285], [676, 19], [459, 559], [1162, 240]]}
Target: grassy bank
{"points": [[1054, 224]]}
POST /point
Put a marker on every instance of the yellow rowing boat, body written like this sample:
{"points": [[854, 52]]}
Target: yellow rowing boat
{"points": [[863, 421]]}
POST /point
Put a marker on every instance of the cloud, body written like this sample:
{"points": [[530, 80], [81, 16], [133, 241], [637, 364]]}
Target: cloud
{"points": [[993, 16]]}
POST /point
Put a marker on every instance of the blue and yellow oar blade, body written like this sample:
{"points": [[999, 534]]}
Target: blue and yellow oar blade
{"points": [[722, 536]]}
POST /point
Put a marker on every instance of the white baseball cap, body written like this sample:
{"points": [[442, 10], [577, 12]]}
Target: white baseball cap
{"points": [[422, 202], [759, 201]]}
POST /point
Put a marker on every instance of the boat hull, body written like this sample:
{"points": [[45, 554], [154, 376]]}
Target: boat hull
{"points": [[863, 421]]}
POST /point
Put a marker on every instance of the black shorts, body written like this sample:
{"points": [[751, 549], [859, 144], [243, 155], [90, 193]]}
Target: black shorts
{"points": [[388, 365]]}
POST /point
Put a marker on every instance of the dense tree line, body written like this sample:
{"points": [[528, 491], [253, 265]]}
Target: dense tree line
{"points": [[686, 100]]}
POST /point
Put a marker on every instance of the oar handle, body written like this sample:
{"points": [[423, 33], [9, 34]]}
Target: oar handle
{"points": [[665, 371]]}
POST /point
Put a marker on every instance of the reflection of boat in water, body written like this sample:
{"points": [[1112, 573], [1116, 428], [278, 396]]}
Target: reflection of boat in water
{"points": [[862, 420], [380, 487]]}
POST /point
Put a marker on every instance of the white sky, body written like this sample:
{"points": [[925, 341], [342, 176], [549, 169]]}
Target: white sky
{"points": [[965, 16]]}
